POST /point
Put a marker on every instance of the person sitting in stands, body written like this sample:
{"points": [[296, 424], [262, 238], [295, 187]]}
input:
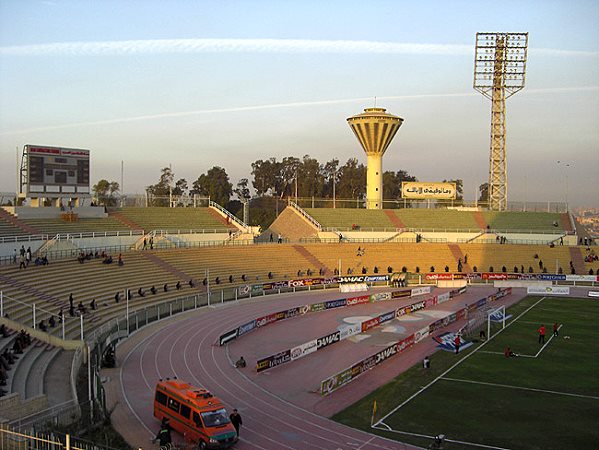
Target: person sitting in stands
{"points": [[117, 297], [165, 287], [72, 311], [42, 326], [178, 285], [17, 347], [217, 280], [92, 304], [140, 292], [52, 321], [38, 261], [81, 308], [96, 255], [8, 356], [240, 363], [243, 277], [107, 260], [81, 258], [153, 290], [205, 281], [121, 263], [3, 331], [191, 283], [270, 275], [230, 278], [129, 294]]}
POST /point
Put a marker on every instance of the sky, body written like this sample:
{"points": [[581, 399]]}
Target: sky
{"points": [[197, 84]]}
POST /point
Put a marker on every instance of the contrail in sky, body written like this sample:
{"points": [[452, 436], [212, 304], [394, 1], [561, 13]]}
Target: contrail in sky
{"points": [[280, 106], [163, 46]]}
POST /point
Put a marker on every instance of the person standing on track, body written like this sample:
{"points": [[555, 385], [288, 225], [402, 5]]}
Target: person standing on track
{"points": [[542, 334], [555, 329], [235, 418], [164, 435]]}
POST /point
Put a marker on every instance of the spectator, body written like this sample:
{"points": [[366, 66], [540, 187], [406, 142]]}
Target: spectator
{"points": [[141, 292], [81, 308], [52, 321], [42, 326], [178, 285], [153, 290], [165, 287], [121, 263], [240, 363], [230, 278], [191, 283], [117, 297], [92, 304]]}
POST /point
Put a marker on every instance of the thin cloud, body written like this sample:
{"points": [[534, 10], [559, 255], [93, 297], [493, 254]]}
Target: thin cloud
{"points": [[163, 46], [278, 106]]}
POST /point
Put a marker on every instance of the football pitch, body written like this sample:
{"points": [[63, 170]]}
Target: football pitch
{"points": [[545, 398]]}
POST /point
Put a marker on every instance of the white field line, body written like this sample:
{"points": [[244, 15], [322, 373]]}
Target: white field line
{"points": [[502, 354], [471, 444], [413, 396], [522, 388], [547, 343]]}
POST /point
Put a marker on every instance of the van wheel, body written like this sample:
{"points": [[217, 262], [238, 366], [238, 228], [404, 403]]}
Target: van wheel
{"points": [[202, 445]]}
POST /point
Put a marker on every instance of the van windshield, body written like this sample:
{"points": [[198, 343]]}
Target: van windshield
{"points": [[215, 418]]}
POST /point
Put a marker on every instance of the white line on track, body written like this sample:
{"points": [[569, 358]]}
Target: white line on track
{"points": [[522, 388]]}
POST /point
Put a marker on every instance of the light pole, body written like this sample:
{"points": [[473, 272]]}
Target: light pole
{"points": [[564, 169]]}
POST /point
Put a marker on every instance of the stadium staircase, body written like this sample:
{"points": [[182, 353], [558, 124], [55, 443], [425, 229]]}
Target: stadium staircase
{"points": [[155, 259], [293, 225], [394, 219], [458, 255], [16, 223], [310, 257], [480, 220], [124, 220], [577, 260]]}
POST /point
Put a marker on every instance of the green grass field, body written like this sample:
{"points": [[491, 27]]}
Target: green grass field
{"points": [[550, 401]]}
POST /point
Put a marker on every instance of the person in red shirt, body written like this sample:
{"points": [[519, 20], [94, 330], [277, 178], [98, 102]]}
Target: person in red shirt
{"points": [[542, 334], [555, 329], [456, 342]]}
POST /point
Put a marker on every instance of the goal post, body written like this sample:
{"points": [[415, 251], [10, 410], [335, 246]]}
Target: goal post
{"points": [[496, 315]]}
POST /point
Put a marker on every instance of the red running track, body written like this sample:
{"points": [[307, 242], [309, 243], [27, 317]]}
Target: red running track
{"points": [[185, 346]]}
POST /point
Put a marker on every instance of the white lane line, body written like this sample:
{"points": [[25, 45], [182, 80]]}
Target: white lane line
{"points": [[522, 388]]}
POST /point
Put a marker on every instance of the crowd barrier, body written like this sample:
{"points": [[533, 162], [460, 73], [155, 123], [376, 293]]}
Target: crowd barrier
{"points": [[349, 374]]}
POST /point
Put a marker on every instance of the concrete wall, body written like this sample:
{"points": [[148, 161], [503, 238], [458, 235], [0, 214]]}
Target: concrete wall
{"points": [[84, 212], [12, 407]]}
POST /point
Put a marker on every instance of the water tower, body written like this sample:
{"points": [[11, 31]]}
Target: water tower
{"points": [[375, 129]]}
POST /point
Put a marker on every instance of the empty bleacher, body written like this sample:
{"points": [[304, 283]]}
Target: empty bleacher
{"points": [[53, 227], [436, 219], [171, 219]]}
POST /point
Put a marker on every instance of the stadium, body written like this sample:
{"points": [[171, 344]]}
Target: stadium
{"points": [[334, 306]]}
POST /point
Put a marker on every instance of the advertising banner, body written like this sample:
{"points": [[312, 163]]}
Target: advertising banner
{"points": [[350, 330], [335, 303], [421, 334], [548, 290], [432, 301], [590, 278], [400, 294], [358, 300], [438, 276], [265, 320], [257, 289], [244, 290], [376, 278], [446, 342], [418, 189], [420, 291], [303, 349], [275, 285], [371, 323], [386, 317], [336, 381], [381, 296], [441, 298], [327, 340], [246, 328], [273, 361], [292, 312], [228, 336], [551, 277], [417, 306], [494, 276], [314, 307]]}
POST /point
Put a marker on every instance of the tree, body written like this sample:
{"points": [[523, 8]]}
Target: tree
{"points": [[214, 184], [459, 187], [267, 177], [483, 190], [310, 178], [161, 191], [180, 187], [330, 172], [242, 191], [352, 180], [104, 192], [392, 183]]}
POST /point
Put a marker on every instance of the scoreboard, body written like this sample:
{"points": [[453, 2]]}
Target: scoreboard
{"points": [[55, 171]]}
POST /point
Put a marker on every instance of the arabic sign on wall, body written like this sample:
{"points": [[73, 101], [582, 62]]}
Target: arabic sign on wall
{"points": [[413, 189]]}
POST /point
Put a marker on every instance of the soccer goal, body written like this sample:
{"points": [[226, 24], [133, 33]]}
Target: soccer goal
{"points": [[495, 321]]}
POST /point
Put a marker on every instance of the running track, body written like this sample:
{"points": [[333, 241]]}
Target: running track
{"points": [[185, 346]]}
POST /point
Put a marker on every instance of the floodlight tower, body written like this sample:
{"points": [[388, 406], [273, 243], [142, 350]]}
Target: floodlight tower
{"points": [[375, 129], [499, 72]]}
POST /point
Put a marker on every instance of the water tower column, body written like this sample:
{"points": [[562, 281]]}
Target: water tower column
{"points": [[374, 181]]}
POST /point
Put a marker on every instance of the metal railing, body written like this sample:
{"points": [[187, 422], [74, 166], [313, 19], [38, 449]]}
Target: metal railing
{"points": [[305, 215], [231, 217]]}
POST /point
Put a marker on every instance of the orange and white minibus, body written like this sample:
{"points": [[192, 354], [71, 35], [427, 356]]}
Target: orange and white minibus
{"points": [[195, 413]]}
